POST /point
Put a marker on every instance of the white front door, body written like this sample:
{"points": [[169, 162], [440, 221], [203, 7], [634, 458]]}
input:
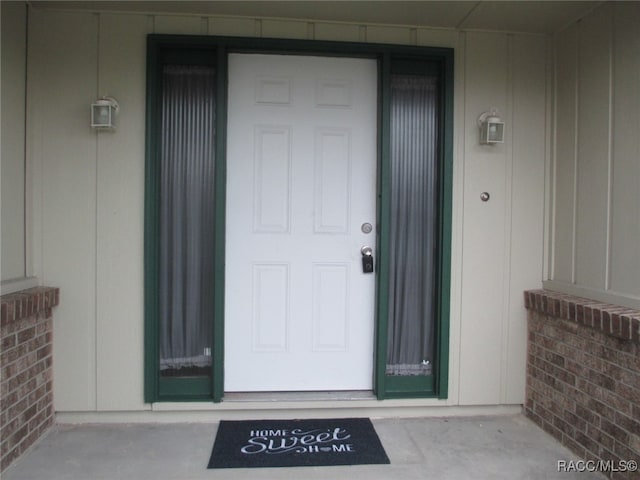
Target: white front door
{"points": [[301, 183]]}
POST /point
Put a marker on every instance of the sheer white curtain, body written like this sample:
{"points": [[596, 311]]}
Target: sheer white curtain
{"points": [[186, 216], [414, 224]]}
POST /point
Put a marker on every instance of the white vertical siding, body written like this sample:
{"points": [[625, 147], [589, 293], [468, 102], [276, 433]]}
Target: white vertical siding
{"points": [[565, 155], [526, 199], [624, 269], [502, 238], [284, 29], [88, 193], [174, 24], [398, 35], [483, 235], [232, 26], [337, 32], [439, 38], [596, 195], [120, 225], [457, 214], [593, 150], [63, 79], [12, 260]]}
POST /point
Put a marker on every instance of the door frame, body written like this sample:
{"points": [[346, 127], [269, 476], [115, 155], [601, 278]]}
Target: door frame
{"points": [[391, 59]]}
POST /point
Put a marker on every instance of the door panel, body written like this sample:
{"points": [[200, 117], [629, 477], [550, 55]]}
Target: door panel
{"points": [[301, 180]]}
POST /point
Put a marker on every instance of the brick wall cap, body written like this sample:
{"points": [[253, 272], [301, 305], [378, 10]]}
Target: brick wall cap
{"points": [[619, 322], [18, 305]]}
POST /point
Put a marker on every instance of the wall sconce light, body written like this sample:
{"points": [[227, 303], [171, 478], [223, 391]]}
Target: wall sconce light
{"points": [[491, 128], [103, 113]]}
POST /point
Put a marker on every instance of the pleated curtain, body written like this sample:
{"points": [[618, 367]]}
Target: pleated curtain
{"points": [[414, 224], [186, 216]]}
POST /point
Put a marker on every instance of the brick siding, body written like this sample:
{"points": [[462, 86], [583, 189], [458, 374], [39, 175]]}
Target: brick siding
{"points": [[583, 377], [26, 380]]}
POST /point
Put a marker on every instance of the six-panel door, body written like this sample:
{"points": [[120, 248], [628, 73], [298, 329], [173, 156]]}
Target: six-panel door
{"points": [[301, 183]]}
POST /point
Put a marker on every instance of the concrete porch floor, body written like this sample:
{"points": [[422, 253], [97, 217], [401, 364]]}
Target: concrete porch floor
{"points": [[493, 447]]}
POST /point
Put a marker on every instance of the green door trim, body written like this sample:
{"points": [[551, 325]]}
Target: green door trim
{"points": [[390, 58]]}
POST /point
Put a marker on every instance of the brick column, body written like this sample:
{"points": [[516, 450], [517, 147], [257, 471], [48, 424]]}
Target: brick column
{"points": [[26, 379], [583, 377]]}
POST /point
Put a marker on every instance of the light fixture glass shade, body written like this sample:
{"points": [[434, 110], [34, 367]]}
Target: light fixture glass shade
{"points": [[103, 113], [491, 129]]}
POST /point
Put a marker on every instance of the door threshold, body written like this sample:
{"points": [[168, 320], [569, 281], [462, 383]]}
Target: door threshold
{"points": [[333, 396]]}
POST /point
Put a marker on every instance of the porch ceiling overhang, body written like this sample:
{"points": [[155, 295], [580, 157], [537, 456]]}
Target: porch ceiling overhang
{"points": [[540, 17]]}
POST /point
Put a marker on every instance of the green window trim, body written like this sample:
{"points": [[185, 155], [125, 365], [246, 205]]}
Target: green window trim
{"points": [[391, 59], [432, 386]]}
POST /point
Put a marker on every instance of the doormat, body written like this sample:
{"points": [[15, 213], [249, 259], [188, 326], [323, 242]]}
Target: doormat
{"points": [[296, 443]]}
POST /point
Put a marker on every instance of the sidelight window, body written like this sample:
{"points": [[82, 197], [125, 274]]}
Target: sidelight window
{"points": [[413, 252], [187, 154], [180, 230], [415, 231]]}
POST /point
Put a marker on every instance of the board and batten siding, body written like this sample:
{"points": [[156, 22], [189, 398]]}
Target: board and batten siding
{"points": [[595, 226], [501, 239], [12, 157], [88, 188]]}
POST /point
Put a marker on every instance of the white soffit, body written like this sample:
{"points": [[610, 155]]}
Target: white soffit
{"points": [[540, 17]]}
